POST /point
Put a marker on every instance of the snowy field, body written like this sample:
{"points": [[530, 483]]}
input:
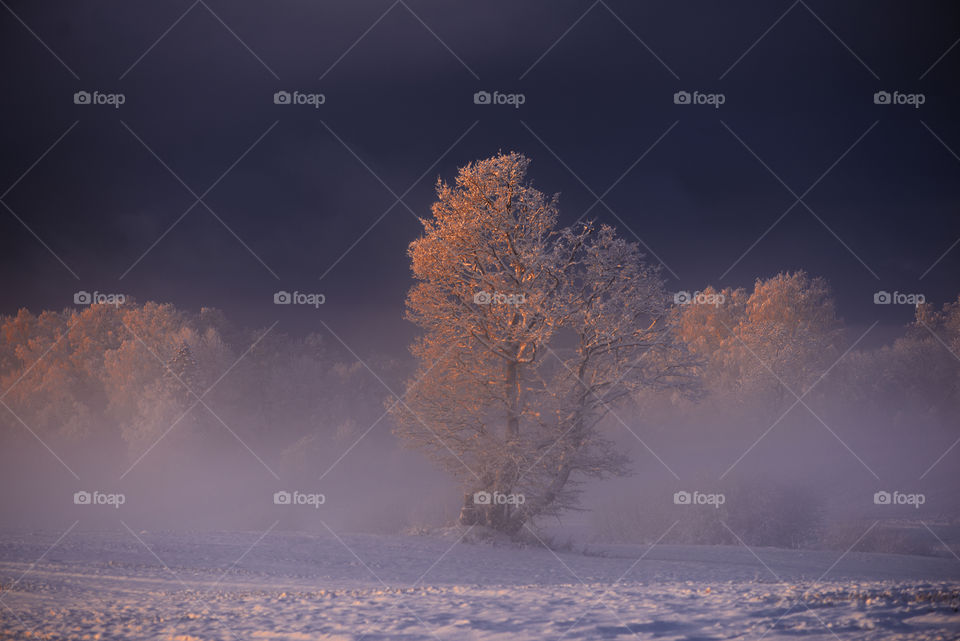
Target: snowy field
{"points": [[285, 586]]}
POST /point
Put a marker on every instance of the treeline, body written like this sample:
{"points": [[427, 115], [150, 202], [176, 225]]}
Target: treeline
{"points": [[136, 374], [785, 338], [132, 374]]}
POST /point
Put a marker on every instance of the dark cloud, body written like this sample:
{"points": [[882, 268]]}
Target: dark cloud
{"points": [[598, 96]]}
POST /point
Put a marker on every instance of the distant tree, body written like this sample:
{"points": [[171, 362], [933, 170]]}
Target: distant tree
{"points": [[779, 339], [532, 334], [182, 374], [922, 369]]}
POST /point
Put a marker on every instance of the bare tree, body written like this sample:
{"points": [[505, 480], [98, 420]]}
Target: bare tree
{"points": [[532, 335]]}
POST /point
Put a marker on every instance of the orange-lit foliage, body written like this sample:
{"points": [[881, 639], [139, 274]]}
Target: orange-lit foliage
{"points": [[531, 334]]}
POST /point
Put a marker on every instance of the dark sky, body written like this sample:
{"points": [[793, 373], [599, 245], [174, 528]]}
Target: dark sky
{"points": [[295, 187]]}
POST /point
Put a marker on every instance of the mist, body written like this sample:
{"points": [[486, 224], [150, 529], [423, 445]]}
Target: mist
{"points": [[423, 320]]}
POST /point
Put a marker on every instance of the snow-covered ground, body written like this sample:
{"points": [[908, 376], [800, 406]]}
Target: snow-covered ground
{"points": [[147, 585]]}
